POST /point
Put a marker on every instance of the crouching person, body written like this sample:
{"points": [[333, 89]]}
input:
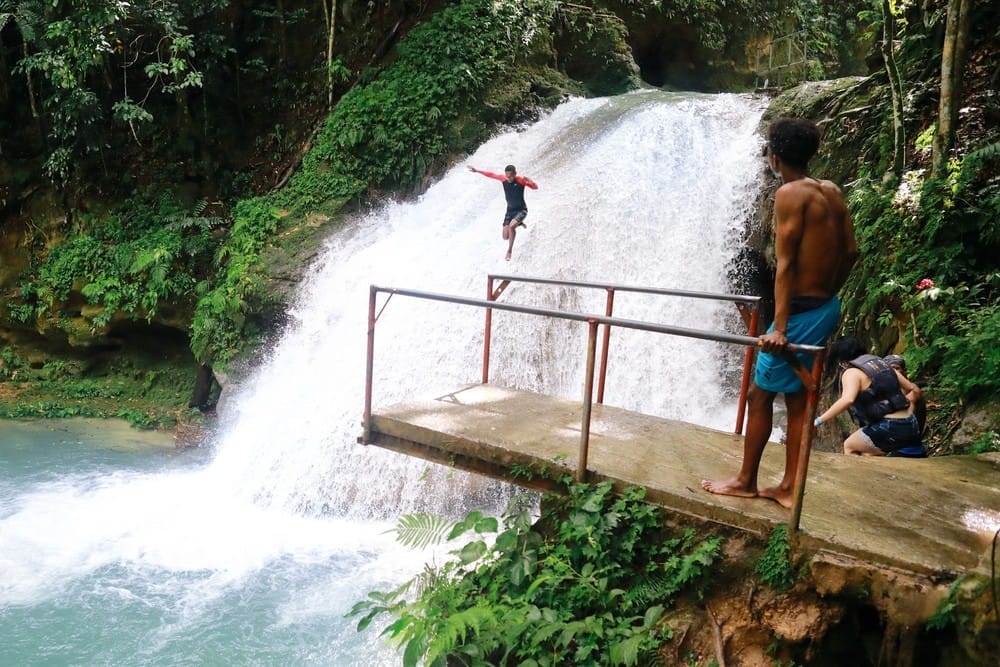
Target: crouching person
{"points": [[876, 396]]}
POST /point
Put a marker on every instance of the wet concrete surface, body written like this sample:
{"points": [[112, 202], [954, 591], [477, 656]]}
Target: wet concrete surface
{"points": [[932, 516]]}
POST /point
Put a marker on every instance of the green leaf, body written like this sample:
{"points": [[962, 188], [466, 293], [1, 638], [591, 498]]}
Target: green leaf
{"points": [[627, 652], [652, 615], [472, 552], [421, 530], [414, 651], [487, 525]]}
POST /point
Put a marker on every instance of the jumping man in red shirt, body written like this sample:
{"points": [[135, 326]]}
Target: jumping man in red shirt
{"points": [[517, 210]]}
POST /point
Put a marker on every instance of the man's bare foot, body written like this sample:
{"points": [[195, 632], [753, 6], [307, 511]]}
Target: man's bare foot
{"points": [[729, 487], [508, 256], [781, 496]]}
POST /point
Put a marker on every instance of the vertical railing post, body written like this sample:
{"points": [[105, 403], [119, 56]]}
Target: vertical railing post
{"points": [[609, 311], [588, 392], [747, 369], [369, 365], [805, 58], [805, 442], [489, 331]]}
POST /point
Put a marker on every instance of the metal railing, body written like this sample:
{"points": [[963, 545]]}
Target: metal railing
{"points": [[811, 380], [748, 307], [777, 61]]}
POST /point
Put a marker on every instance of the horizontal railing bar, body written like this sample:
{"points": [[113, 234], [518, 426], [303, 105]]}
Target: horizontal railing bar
{"points": [[742, 298], [582, 317]]}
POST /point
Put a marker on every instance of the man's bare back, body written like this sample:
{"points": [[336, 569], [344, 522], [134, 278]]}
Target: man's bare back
{"points": [[826, 238], [814, 244], [815, 249]]}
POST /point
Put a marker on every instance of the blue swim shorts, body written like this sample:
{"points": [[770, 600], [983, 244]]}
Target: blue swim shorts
{"points": [[811, 327]]}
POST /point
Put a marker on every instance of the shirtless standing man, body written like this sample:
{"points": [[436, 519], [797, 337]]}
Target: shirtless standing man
{"points": [[517, 209], [815, 249]]}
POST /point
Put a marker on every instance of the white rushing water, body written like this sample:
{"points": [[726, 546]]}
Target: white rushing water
{"points": [[280, 525]]}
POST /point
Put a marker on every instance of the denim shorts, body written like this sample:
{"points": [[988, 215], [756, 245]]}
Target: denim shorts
{"points": [[892, 434]]}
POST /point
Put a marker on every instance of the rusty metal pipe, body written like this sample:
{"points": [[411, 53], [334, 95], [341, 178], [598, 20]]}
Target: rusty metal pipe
{"points": [[609, 311], [718, 296], [685, 332], [369, 365], [805, 443], [489, 331], [741, 409], [588, 392]]}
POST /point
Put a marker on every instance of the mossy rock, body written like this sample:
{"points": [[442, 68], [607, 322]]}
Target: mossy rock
{"points": [[844, 109]]}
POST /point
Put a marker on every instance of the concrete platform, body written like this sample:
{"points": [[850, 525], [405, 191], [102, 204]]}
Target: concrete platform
{"points": [[930, 516]]}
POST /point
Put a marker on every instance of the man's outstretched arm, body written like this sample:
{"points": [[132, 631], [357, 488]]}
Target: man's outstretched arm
{"points": [[526, 182], [488, 174]]}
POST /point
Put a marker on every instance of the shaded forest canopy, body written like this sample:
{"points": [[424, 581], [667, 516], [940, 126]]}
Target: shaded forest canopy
{"points": [[159, 161]]}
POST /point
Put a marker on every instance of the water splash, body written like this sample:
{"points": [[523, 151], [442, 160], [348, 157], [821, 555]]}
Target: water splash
{"points": [[650, 188]]}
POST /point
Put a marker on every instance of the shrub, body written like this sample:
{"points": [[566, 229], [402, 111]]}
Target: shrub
{"points": [[593, 592]]}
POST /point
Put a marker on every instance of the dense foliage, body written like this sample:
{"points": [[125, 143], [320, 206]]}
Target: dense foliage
{"points": [[141, 256], [590, 591], [383, 134], [89, 65], [930, 242], [136, 112], [775, 564]]}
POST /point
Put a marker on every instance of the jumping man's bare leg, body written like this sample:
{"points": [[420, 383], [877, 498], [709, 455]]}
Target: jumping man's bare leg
{"points": [[759, 421], [784, 492], [511, 230]]}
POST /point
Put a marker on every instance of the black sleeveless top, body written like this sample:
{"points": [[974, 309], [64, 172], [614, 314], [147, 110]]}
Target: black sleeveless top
{"points": [[514, 192]]}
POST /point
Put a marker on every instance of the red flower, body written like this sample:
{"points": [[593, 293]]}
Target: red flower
{"points": [[925, 283]]}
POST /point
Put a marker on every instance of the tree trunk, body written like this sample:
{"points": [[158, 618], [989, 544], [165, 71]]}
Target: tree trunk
{"points": [[956, 34], [330, 17], [895, 88], [282, 37], [31, 86], [4, 72], [201, 394]]}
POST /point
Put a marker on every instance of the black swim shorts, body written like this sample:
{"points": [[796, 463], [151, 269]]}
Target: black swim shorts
{"points": [[517, 214]]}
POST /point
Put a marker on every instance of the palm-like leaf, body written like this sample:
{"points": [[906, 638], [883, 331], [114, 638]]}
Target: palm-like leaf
{"points": [[421, 530]]}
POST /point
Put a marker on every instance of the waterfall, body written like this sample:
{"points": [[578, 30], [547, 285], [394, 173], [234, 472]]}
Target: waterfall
{"points": [[649, 188], [251, 550]]}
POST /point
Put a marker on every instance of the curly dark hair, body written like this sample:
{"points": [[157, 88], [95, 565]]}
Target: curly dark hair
{"points": [[794, 140]]}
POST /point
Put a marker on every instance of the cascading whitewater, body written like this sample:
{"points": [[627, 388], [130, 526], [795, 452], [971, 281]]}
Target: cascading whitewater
{"points": [[650, 188], [251, 550]]}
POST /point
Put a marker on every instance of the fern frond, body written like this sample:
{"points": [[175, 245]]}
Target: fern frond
{"points": [[987, 152], [421, 530], [657, 587], [627, 652], [455, 631], [185, 222]]}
